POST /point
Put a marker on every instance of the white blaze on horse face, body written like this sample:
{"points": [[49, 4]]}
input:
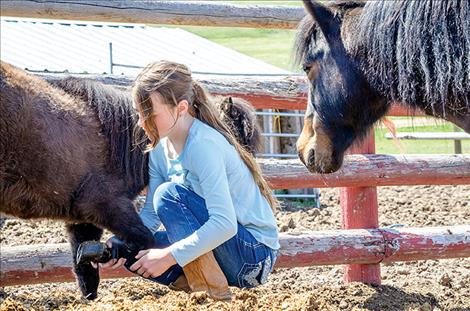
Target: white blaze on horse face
{"points": [[307, 133], [309, 111], [314, 146]]}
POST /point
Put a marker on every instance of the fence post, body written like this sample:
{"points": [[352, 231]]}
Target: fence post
{"points": [[360, 211], [457, 143]]}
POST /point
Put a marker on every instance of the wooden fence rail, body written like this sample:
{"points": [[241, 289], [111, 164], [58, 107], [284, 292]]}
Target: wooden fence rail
{"points": [[289, 92], [41, 263], [200, 13], [372, 170]]}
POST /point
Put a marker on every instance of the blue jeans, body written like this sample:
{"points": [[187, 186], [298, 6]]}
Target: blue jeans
{"points": [[244, 261]]}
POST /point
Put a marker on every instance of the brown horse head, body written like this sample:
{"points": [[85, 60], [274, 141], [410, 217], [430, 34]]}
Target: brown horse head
{"points": [[361, 56], [336, 114]]}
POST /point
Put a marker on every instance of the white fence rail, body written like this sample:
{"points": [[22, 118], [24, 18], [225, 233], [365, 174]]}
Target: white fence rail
{"points": [[201, 13]]}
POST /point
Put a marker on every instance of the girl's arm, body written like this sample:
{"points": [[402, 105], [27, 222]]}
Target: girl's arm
{"points": [[209, 167], [147, 213]]}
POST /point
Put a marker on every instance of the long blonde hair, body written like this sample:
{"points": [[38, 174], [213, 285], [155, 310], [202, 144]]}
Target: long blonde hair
{"points": [[173, 83]]}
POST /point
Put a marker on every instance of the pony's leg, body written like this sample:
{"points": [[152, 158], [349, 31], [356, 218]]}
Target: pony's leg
{"points": [[102, 200], [87, 277], [122, 219], [117, 214]]}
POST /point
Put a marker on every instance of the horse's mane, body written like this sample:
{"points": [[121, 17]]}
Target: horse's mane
{"points": [[417, 50], [411, 51], [113, 108]]}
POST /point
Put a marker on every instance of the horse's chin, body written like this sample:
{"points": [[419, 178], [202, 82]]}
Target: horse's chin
{"points": [[330, 167], [323, 164], [317, 152]]}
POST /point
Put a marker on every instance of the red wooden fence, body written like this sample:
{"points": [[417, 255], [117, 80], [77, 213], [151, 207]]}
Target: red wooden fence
{"points": [[30, 264], [358, 200]]}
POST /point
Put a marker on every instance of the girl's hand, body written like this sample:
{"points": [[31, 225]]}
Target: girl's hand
{"points": [[153, 262], [112, 264]]}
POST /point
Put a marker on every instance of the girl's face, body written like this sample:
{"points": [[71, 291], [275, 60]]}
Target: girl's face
{"points": [[164, 116]]}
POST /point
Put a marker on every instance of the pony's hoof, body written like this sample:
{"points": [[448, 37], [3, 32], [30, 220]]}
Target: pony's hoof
{"points": [[93, 251], [91, 296]]}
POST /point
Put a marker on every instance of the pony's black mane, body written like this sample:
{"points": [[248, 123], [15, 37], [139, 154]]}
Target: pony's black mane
{"points": [[418, 50], [414, 52], [113, 108]]}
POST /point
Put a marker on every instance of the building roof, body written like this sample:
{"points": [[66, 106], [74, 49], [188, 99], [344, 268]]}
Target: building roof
{"points": [[78, 47]]}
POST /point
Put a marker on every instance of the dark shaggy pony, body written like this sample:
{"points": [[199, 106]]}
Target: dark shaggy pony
{"points": [[67, 152], [360, 57]]}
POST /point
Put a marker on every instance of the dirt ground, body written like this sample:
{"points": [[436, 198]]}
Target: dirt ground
{"points": [[424, 285]]}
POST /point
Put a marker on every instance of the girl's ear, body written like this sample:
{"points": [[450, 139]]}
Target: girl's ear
{"points": [[183, 107]]}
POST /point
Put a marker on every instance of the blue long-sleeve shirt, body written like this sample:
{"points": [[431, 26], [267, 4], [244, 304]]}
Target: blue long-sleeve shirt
{"points": [[211, 167]]}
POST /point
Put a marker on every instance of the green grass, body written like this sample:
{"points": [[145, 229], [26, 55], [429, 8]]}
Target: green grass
{"points": [[273, 46], [388, 146]]}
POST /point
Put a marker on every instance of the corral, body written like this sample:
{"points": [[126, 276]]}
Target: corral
{"points": [[441, 211]]}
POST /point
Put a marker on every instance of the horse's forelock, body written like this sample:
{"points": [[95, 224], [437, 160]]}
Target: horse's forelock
{"points": [[307, 29], [306, 33]]}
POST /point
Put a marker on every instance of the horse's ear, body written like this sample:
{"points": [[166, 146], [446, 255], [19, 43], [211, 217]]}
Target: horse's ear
{"points": [[328, 21]]}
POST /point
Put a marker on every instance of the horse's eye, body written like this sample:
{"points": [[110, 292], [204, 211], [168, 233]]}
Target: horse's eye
{"points": [[311, 70], [306, 68]]}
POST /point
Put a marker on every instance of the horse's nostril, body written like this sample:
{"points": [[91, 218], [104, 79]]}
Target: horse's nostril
{"points": [[301, 157], [311, 157], [311, 161]]}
